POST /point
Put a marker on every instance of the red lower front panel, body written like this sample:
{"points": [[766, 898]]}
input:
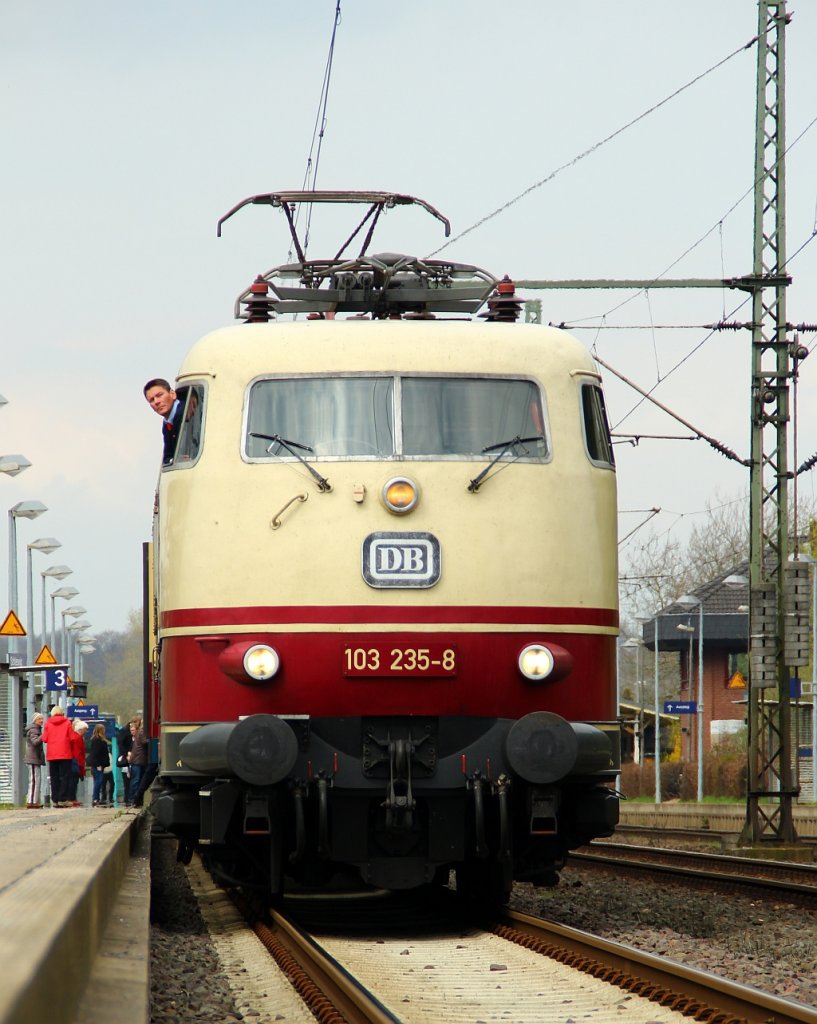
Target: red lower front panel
{"points": [[332, 673]]}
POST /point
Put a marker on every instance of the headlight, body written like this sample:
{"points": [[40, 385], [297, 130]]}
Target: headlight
{"points": [[535, 662], [400, 494], [261, 662]]}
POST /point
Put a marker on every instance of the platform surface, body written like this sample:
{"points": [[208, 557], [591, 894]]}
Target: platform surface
{"points": [[61, 873]]}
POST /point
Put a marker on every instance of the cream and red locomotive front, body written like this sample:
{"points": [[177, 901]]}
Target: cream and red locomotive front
{"points": [[386, 582]]}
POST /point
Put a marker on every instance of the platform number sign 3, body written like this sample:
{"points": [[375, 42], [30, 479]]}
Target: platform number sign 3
{"points": [[56, 679]]}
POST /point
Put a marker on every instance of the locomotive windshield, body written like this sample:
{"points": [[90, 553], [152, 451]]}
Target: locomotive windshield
{"points": [[385, 416]]}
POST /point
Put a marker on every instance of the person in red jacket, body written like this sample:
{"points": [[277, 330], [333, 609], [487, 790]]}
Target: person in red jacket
{"points": [[78, 759], [57, 738]]}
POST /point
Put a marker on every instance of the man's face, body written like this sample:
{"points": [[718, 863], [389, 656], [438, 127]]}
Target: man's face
{"points": [[160, 399]]}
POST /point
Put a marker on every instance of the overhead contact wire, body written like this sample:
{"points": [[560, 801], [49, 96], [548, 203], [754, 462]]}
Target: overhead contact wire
{"points": [[717, 445], [594, 147], [319, 130]]}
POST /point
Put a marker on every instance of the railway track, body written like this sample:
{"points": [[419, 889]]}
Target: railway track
{"points": [[374, 958], [784, 879]]}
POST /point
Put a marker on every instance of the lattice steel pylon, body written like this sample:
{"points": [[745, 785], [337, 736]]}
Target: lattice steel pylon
{"points": [[776, 613]]}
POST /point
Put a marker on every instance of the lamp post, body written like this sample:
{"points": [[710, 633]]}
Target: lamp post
{"points": [[65, 638], [74, 628], [66, 593], [689, 601], [635, 642], [85, 645], [22, 510], [57, 572], [46, 545]]}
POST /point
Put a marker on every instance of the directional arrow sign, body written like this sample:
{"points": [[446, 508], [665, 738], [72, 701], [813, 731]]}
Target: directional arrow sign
{"points": [[680, 707]]}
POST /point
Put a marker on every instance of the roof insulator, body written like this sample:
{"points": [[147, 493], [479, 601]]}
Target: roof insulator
{"points": [[258, 308], [503, 306]]}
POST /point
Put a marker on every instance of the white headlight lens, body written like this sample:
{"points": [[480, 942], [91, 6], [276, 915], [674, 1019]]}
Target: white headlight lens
{"points": [[261, 662], [535, 662]]}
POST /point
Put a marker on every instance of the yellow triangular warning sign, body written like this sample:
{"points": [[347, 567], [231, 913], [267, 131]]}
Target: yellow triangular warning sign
{"points": [[12, 626], [45, 657], [80, 703], [737, 682]]}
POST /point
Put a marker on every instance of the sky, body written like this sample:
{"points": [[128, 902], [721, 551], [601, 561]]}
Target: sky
{"points": [[129, 129]]}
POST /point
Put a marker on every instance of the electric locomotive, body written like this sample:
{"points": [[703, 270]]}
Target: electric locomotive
{"points": [[386, 582]]}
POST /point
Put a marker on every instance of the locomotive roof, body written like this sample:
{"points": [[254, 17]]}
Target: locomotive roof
{"points": [[354, 345]]}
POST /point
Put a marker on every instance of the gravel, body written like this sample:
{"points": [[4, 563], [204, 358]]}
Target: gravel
{"points": [[764, 943], [186, 979], [760, 942]]}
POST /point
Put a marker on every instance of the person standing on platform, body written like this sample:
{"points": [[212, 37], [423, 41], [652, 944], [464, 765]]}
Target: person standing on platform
{"points": [[99, 758], [35, 759], [137, 757], [107, 791], [57, 738], [77, 759], [124, 741]]}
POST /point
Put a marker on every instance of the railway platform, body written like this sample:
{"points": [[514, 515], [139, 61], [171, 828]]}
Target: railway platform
{"points": [[74, 915], [717, 817]]}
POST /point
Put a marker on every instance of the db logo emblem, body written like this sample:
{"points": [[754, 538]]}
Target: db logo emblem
{"points": [[401, 560]]}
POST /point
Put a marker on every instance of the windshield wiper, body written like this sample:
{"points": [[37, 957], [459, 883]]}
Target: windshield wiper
{"points": [[504, 446], [290, 446]]}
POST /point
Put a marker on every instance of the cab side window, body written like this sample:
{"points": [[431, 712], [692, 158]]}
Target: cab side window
{"points": [[596, 428], [188, 445]]}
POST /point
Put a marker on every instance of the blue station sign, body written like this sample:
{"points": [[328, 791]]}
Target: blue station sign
{"points": [[56, 679], [82, 711], [680, 707]]}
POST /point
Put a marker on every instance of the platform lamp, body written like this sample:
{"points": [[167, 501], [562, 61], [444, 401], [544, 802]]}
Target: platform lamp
{"points": [[46, 545], [85, 645], [55, 572], [22, 510], [11, 465], [74, 629], [66, 593]]}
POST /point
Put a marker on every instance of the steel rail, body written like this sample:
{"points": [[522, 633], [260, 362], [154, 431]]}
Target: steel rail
{"points": [[332, 994], [798, 892], [701, 995]]}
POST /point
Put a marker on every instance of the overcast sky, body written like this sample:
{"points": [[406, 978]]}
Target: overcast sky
{"points": [[129, 129]]}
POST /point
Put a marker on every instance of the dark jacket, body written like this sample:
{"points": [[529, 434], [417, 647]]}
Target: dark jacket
{"points": [[35, 754], [124, 741], [99, 755], [170, 432]]}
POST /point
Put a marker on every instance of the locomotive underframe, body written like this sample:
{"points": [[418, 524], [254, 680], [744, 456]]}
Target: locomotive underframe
{"points": [[400, 800]]}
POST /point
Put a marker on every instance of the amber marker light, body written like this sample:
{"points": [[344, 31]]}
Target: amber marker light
{"points": [[400, 495], [535, 662]]}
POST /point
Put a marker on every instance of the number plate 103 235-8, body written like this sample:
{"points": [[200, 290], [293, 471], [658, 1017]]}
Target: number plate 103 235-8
{"points": [[398, 659]]}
